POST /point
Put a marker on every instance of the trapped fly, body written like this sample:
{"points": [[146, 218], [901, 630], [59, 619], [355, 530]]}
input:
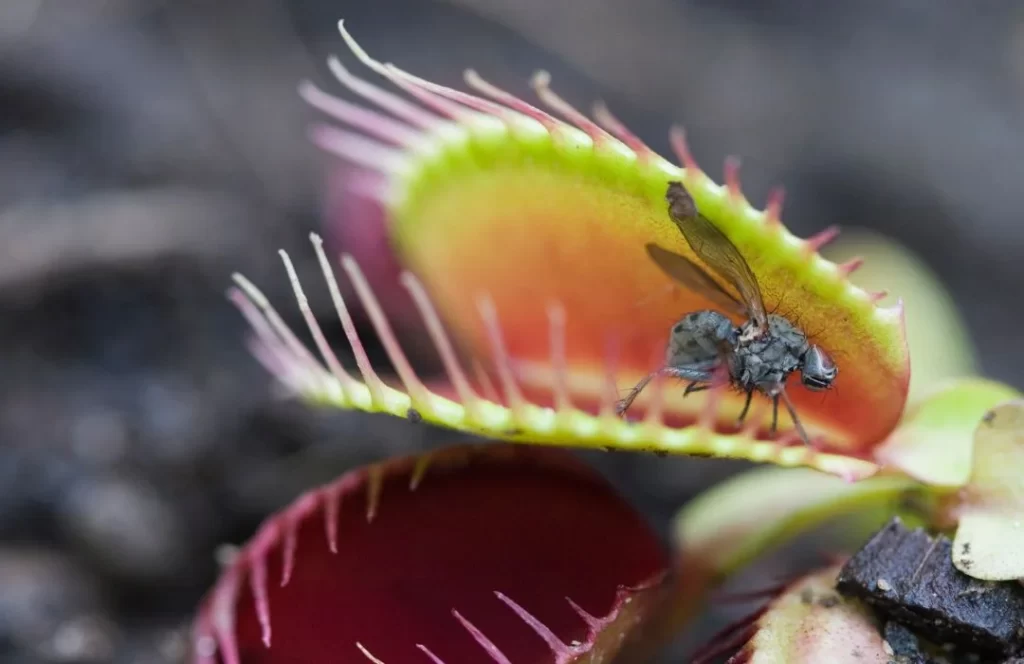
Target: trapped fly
{"points": [[758, 355]]}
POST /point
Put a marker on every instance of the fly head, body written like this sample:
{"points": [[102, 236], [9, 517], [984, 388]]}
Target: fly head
{"points": [[818, 370]]}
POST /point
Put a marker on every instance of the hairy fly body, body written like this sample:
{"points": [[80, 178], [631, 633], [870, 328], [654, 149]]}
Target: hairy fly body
{"points": [[757, 356]]}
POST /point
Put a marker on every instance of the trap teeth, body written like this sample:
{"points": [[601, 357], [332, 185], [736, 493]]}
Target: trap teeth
{"points": [[773, 207], [818, 240], [677, 137], [732, 178]]}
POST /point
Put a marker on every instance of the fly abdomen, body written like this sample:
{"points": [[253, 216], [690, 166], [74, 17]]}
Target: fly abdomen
{"points": [[700, 339]]}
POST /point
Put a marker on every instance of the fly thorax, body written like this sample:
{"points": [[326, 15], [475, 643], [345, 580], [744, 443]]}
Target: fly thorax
{"points": [[749, 332], [764, 362], [789, 334]]}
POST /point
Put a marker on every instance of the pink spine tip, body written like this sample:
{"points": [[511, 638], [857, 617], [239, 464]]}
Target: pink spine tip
{"points": [[472, 101], [367, 654], [332, 506], [258, 585], [370, 121], [374, 485], [561, 651], [419, 471], [851, 266], [773, 210], [428, 97], [426, 651], [614, 126], [592, 621], [337, 370], [878, 296], [732, 177], [291, 543], [380, 98], [820, 239], [677, 137], [475, 81], [481, 639], [541, 83], [223, 610]]}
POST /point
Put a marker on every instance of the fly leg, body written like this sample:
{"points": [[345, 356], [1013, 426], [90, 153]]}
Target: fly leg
{"points": [[746, 407], [623, 405], [686, 373], [696, 387], [796, 419], [775, 416]]}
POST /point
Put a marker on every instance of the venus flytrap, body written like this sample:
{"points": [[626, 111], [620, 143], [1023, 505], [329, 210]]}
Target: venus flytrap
{"points": [[503, 213]]}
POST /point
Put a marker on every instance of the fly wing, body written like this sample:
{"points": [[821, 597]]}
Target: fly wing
{"points": [[687, 273], [716, 250]]}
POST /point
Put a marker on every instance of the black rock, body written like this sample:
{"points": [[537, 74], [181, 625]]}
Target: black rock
{"points": [[906, 647], [908, 576]]}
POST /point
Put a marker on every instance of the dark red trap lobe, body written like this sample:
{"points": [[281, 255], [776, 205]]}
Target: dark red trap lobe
{"points": [[523, 524]]}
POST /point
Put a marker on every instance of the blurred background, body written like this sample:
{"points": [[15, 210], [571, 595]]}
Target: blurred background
{"points": [[149, 149]]}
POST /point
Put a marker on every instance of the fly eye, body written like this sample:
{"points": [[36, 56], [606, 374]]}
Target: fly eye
{"points": [[817, 363]]}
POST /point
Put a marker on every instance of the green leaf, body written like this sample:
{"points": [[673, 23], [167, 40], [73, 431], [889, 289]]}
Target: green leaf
{"points": [[990, 538]]}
